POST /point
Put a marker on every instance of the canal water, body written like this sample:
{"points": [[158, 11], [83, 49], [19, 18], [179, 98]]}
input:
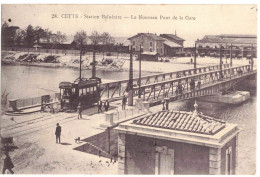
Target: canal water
{"points": [[30, 81]]}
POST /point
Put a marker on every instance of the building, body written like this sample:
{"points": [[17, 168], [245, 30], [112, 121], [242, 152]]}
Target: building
{"points": [[151, 44], [176, 142], [242, 45], [148, 42]]}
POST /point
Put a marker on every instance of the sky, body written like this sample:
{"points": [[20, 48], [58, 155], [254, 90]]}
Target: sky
{"points": [[197, 20]]}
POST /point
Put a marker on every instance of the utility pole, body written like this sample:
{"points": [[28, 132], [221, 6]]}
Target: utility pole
{"points": [[80, 53], [195, 57], [226, 52], [231, 54], [130, 83], [94, 63], [140, 67], [220, 54], [252, 61]]}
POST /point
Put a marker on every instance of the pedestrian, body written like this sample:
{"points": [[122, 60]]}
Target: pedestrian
{"points": [[8, 164], [199, 84], [42, 108], [179, 88], [167, 104], [106, 105], [79, 111], [99, 106], [163, 102], [57, 133], [191, 60], [124, 102]]}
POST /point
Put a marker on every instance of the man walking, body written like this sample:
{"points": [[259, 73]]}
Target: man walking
{"points": [[8, 164], [106, 105], [79, 111], [57, 133], [124, 102], [100, 106]]}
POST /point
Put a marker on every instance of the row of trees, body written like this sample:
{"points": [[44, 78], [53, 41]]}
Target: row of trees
{"points": [[30, 36], [81, 38], [14, 36]]}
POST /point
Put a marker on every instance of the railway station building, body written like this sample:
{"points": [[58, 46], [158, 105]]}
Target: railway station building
{"points": [[241, 45], [176, 142]]}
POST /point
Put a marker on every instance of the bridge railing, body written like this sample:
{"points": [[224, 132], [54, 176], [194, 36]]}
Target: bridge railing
{"points": [[118, 88], [178, 86]]}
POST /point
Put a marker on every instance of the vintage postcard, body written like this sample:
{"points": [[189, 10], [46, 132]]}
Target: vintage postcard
{"points": [[128, 89]]}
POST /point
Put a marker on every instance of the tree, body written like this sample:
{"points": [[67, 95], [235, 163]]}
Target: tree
{"points": [[58, 38], [29, 36], [95, 38], [39, 34], [106, 40], [19, 37], [48, 35], [80, 38]]}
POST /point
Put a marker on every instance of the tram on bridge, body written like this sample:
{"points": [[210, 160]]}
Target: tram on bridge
{"points": [[82, 91]]}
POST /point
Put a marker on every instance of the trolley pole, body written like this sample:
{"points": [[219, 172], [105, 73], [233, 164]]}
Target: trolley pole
{"points": [[140, 67], [231, 55], [195, 58], [130, 83]]}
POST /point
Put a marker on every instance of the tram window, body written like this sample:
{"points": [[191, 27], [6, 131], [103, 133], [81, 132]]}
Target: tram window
{"points": [[94, 88], [88, 90]]}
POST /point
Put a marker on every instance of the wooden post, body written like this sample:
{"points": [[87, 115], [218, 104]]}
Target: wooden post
{"points": [[130, 83]]}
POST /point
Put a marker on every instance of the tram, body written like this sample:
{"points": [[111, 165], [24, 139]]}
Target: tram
{"points": [[84, 91]]}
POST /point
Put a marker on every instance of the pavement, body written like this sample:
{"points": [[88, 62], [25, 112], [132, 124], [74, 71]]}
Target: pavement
{"points": [[38, 152]]}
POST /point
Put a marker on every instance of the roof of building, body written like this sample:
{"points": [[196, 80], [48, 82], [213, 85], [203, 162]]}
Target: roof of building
{"points": [[173, 36], [171, 44], [180, 126], [236, 39], [150, 35], [182, 121]]}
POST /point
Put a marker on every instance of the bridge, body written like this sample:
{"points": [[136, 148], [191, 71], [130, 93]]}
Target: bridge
{"points": [[207, 81]]}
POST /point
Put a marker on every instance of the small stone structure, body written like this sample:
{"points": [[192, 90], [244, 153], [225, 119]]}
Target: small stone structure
{"points": [[176, 142]]}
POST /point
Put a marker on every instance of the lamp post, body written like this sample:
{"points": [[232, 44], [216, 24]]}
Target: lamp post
{"points": [[140, 67]]}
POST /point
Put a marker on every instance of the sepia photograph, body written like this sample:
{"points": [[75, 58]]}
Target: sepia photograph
{"points": [[128, 89]]}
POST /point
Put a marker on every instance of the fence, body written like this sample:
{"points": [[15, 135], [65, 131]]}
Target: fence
{"points": [[58, 51], [31, 102]]}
